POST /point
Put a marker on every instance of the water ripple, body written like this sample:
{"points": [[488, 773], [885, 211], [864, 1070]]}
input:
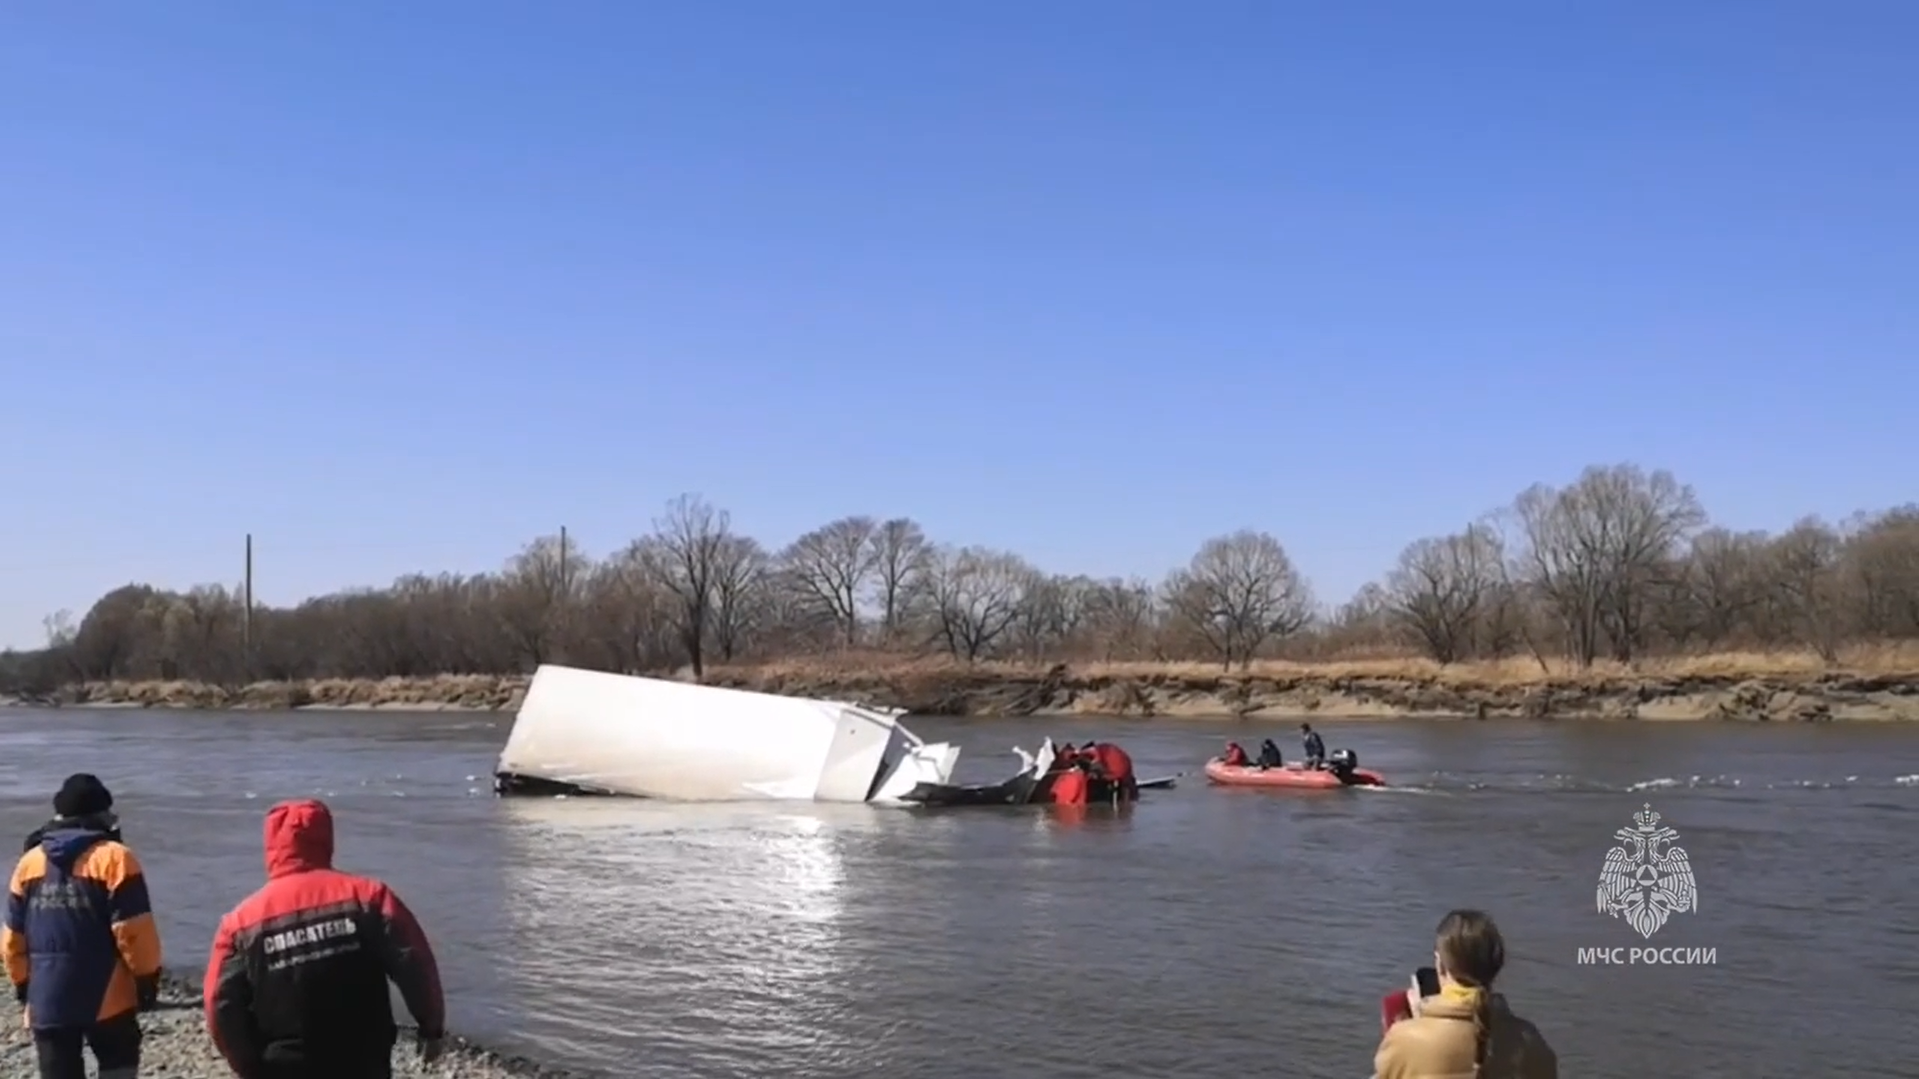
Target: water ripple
{"points": [[1204, 933]]}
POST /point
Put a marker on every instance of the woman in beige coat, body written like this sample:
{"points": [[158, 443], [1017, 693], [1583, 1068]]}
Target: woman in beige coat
{"points": [[1466, 1030]]}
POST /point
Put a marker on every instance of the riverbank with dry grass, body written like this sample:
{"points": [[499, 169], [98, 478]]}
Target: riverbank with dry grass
{"points": [[1864, 684]]}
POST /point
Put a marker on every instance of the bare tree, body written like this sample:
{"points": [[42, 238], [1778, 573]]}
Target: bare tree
{"points": [[1238, 592], [1123, 617], [1365, 622], [60, 628], [1597, 551], [691, 538], [739, 580], [1616, 564], [115, 633], [1051, 614], [977, 595], [1884, 556], [630, 617], [1442, 588], [830, 565], [1718, 586], [792, 621], [1808, 572], [899, 561], [537, 590], [200, 634]]}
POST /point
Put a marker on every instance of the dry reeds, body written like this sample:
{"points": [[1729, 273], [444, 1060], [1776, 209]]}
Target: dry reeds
{"points": [[1885, 661]]}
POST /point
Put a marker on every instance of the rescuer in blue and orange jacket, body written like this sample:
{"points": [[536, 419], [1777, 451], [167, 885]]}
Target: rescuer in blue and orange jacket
{"points": [[81, 947], [296, 987]]}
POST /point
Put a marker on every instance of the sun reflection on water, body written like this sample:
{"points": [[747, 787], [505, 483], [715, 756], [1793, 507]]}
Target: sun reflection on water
{"points": [[704, 928]]}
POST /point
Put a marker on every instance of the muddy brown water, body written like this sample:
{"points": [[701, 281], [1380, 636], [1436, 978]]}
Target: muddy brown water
{"points": [[1208, 932]]}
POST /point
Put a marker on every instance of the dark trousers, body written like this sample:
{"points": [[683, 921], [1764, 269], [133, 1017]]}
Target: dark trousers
{"points": [[115, 1044]]}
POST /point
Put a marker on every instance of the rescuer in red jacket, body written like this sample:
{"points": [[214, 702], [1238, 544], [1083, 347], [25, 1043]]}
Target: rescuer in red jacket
{"points": [[1118, 767], [1113, 765], [296, 987]]}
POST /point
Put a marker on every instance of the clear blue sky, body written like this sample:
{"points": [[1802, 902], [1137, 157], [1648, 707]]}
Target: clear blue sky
{"points": [[400, 286]]}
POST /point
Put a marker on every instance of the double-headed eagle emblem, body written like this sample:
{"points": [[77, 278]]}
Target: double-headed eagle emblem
{"points": [[1646, 879]]}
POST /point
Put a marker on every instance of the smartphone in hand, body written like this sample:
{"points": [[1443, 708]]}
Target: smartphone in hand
{"points": [[1426, 980]]}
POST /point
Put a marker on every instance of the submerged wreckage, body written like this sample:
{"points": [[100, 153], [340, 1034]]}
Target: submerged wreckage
{"points": [[589, 732]]}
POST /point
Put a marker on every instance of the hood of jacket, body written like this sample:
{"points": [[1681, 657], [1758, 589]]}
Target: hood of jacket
{"points": [[64, 841], [1458, 1003], [1440, 1042], [299, 838]]}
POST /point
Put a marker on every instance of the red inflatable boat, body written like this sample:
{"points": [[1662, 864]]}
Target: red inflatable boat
{"points": [[1289, 775]]}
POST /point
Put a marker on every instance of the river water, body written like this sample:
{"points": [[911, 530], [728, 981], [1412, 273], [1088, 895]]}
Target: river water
{"points": [[1206, 932]]}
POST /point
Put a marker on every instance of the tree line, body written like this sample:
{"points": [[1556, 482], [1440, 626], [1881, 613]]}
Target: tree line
{"points": [[1620, 564]]}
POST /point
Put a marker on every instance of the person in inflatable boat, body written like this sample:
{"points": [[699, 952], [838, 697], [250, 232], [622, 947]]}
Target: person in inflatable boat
{"points": [[1466, 1028], [1235, 756], [1314, 745], [1269, 754]]}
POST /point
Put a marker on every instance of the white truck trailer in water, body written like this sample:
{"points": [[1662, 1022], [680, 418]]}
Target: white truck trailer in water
{"points": [[591, 732]]}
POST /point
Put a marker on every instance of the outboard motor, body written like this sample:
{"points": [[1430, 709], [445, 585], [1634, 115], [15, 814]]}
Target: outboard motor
{"points": [[1343, 762]]}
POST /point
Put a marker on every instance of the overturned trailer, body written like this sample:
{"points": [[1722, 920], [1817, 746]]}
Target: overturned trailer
{"points": [[590, 732]]}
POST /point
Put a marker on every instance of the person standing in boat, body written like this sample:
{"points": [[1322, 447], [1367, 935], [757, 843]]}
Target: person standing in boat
{"points": [[1315, 747], [1269, 754]]}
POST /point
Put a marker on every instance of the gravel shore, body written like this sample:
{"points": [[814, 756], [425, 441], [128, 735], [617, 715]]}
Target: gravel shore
{"points": [[176, 1046]]}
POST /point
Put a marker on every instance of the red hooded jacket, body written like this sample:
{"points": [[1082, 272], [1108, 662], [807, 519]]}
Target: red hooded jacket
{"points": [[1113, 761], [299, 970]]}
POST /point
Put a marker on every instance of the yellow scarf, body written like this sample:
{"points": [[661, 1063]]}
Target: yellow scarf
{"points": [[1461, 994]]}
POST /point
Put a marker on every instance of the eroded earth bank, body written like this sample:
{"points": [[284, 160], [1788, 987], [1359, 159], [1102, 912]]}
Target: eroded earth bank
{"points": [[1353, 691]]}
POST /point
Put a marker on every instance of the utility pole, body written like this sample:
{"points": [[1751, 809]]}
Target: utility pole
{"points": [[246, 616], [565, 594], [246, 619]]}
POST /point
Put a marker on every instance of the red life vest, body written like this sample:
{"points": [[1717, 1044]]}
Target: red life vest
{"points": [[1070, 788], [1114, 762], [1235, 756]]}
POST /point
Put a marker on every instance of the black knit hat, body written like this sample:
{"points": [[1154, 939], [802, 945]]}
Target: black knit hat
{"points": [[82, 795]]}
